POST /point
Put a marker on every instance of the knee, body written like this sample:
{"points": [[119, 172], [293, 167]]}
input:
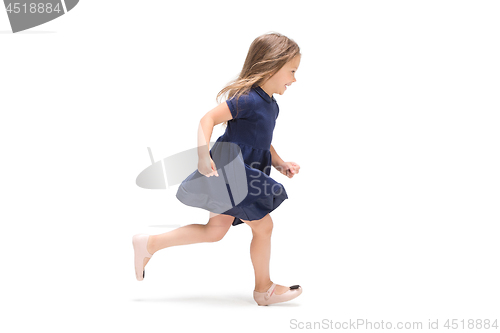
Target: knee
{"points": [[263, 227], [215, 234]]}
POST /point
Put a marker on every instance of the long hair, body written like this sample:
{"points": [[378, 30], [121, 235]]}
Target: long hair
{"points": [[268, 53]]}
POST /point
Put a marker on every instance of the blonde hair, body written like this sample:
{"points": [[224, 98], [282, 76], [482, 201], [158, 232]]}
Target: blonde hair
{"points": [[268, 53]]}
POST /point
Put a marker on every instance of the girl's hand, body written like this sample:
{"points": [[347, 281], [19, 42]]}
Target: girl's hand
{"points": [[289, 169], [206, 167]]}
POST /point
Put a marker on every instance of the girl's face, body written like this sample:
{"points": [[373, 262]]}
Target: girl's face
{"points": [[284, 77]]}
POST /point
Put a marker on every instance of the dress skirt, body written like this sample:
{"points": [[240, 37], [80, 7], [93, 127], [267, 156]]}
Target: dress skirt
{"points": [[243, 188]]}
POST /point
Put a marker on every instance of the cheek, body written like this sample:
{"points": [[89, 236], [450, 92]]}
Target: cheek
{"points": [[276, 80], [284, 79], [278, 77]]}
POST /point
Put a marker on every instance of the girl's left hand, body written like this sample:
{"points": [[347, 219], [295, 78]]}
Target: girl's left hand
{"points": [[289, 169]]}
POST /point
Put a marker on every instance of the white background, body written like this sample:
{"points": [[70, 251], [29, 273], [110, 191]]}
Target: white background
{"points": [[394, 120]]}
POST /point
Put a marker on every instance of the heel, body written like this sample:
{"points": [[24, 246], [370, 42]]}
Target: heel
{"points": [[140, 244]]}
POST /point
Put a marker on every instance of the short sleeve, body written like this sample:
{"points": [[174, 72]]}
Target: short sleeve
{"points": [[242, 107]]}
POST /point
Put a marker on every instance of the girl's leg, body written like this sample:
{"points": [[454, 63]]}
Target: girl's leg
{"points": [[260, 252], [213, 231]]}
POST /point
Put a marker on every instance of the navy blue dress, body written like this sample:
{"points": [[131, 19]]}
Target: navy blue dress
{"points": [[244, 188]]}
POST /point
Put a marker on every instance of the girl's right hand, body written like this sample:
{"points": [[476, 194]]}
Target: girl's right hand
{"points": [[206, 167]]}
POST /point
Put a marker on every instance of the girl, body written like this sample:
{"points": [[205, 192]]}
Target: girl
{"points": [[250, 114]]}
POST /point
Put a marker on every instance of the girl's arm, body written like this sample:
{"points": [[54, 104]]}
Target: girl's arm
{"points": [[275, 159], [217, 115], [289, 169]]}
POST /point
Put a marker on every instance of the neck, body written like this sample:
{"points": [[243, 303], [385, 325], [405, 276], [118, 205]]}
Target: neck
{"points": [[266, 89]]}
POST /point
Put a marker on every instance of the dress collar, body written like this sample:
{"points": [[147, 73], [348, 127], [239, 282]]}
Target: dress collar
{"points": [[263, 94]]}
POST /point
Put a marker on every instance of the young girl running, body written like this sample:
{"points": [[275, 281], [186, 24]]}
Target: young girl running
{"points": [[250, 114]]}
